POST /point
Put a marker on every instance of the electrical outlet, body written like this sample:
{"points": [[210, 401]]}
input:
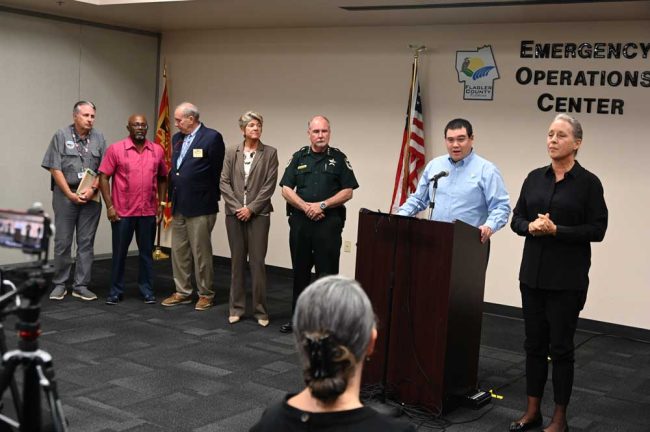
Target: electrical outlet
{"points": [[347, 246]]}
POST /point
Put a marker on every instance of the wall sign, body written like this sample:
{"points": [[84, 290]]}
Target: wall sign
{"points": [[477, 70], [602, 56]]}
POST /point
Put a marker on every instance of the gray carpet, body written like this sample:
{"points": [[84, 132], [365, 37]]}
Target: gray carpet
{"points": [[136, 367]]}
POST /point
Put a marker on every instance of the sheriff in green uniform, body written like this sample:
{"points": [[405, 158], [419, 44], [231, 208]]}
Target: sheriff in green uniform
{"points": [[316, 184]]}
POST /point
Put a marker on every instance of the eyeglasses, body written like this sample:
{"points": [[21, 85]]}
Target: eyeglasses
{"points": [[139, 125], [460, 140]]}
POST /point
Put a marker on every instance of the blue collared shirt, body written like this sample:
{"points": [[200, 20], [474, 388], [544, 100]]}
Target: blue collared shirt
{"points": [[187, 142], [474, 192]]}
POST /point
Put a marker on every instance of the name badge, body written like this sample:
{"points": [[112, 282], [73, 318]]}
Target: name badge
{"points": [[80, 175], [302, 167], [197, 153]]}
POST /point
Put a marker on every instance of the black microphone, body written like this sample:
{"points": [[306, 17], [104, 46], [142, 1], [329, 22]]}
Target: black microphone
{"points": [[438, 176]]}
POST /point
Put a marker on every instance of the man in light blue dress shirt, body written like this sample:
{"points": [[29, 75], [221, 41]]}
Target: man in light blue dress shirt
{"points": [[473, 192]]}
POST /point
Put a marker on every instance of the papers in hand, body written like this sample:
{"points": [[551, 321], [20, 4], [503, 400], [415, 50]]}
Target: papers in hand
{"points": [[87, 181]]}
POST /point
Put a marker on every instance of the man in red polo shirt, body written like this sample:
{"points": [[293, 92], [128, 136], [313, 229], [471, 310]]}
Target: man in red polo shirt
{"points": [[134, 203]]}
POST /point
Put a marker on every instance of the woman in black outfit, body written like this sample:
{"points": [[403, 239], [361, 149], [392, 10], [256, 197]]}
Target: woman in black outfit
{"points": [[334, 327], [560, 211]]}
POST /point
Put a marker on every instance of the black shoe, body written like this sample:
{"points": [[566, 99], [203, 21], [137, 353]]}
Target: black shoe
{"points": [[286, 328], [112, 300], [520, 427], [150, 300]]}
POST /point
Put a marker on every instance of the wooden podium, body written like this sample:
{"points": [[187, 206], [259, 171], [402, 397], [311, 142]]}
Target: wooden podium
{"points": [[426, 281]]}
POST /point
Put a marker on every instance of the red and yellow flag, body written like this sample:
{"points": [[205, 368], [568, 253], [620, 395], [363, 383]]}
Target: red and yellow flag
{"points": [[164, 139]]}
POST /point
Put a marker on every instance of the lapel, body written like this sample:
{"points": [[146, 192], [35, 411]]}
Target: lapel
{"points": [[258, 156], [176, 151], [195, 142], [239, 161]]}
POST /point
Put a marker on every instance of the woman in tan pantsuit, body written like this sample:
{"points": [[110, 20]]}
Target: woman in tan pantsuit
{"points": [[248, 180]]}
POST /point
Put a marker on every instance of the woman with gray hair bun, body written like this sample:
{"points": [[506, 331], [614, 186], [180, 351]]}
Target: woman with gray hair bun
{"points": [[334, 327], [248, 180]]}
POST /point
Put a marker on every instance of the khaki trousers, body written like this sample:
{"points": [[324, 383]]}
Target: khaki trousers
{"points": [[191, 242], [248, 239]]}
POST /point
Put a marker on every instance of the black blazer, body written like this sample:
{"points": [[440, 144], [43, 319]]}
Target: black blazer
{"points": [[194, 186]]}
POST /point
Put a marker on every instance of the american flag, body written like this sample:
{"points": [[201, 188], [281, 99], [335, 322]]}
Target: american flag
{"points": [[411, 157]]}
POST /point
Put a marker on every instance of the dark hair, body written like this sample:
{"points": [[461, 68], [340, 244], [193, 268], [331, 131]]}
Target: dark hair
{"points": [[75, 108], [460, 123], [333, 324]]}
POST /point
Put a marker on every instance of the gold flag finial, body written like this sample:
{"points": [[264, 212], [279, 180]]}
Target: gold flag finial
{"points": [[417, 49]]}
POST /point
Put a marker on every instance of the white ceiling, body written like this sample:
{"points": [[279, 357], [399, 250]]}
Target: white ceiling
{"points": [[168, 15]]}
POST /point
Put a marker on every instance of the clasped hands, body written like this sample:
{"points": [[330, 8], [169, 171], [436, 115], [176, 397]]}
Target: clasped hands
{"points": [[313, 211], [243, 214], [82, 197], [541, 226]]}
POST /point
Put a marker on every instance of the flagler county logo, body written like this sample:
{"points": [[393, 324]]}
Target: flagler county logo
{"points": [[477, 70]]}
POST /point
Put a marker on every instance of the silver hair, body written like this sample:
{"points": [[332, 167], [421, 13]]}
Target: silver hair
{"points": [[336, 308], [316, 116], [575, 124], [189, 109], [248, 117], [75, 108]]}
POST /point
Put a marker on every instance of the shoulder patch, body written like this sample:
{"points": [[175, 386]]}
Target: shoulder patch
{"points": [[347, 162]]}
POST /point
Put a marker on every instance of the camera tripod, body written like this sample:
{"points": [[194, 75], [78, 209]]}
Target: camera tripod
{"points": [[38, 372]]}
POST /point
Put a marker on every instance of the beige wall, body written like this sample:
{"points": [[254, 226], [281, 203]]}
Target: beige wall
{"points": [[359, 78], [46, 66]]}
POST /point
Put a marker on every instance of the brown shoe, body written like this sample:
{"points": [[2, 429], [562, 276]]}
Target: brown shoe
{"points": [[203, 303], [176, 299]]}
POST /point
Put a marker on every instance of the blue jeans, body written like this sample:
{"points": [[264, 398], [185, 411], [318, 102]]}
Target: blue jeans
{"points": [[145, 232]]}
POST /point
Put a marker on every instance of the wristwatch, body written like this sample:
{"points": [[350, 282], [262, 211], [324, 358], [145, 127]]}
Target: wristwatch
{"points": [[323, 206]]}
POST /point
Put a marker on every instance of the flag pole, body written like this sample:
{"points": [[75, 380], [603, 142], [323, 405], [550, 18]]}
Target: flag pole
{"points": [[417, 49], [158, 254]]}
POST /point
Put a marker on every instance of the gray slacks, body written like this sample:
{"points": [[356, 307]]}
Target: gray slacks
{"points": [[248, 239], [72, 219], [192, 243]]}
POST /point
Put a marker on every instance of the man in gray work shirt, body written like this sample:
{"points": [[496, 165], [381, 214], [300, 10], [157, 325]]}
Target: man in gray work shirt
{"points": [[72, 150]]}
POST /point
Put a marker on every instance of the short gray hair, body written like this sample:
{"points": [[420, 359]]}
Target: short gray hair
{"points": [[75, 108], [317, 116], [189, 110], [334, 309], [575, 124], [248, 117]]}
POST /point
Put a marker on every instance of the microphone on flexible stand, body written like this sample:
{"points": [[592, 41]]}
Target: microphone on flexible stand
{"points": [[438, 176], [435, 179]]}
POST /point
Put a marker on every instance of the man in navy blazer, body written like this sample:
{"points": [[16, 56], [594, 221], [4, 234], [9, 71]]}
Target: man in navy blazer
{"points": [[194, 193]]}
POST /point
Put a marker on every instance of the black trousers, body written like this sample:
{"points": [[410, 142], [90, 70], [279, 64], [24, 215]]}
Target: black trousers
{"points": [[313, 243], [550, 318]]}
